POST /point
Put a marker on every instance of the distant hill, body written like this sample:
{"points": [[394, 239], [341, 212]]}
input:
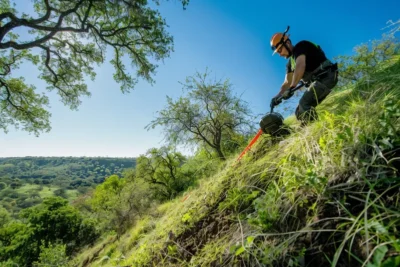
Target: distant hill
{"points": [[25, 181]]}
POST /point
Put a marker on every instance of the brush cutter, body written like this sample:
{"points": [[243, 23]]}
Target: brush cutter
{"points": [[272, 122]]}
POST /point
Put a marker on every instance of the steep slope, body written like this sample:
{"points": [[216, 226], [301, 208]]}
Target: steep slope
{"points": [[327, 195]]}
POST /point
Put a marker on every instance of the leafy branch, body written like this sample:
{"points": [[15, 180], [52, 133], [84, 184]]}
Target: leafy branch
{"points": [[72, 36]]}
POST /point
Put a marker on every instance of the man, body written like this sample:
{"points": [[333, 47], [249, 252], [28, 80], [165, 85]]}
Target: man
{"points": [[307, 63]]}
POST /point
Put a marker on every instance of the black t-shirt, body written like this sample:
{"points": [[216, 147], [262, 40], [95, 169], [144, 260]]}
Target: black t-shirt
{"points": [[314, 56]]}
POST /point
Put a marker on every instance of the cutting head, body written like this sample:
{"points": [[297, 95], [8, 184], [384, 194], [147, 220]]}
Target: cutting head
{"points": [[271, 123]]}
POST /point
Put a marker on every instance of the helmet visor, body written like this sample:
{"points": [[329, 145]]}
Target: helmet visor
{"points": [[278, 45]]}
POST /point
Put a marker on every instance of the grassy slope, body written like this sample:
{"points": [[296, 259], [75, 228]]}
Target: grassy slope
{"points": [[326, 195]]}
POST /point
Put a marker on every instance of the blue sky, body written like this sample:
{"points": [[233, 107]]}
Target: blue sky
{"points": [[229, 37]]}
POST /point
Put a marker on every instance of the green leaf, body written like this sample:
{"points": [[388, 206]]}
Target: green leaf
{"points": [[186, 217], [379, 227], [233, 248], [254, 194], [240, 251], [250, 240], [172, 249], [391, 262], [379, 254]]}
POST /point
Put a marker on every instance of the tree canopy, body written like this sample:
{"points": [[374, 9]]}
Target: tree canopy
{"points": [[52, 221], [164, 169], [209, 114], [367, 59], [64, 39]]}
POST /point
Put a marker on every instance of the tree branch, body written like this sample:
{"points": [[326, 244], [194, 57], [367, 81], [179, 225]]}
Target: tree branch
{"points": [[47, 64], [17, 22], [8, 99]]}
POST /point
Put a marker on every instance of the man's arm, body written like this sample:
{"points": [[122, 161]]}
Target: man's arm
{"points": [[284, 87], [286, 83], [299, 70]]}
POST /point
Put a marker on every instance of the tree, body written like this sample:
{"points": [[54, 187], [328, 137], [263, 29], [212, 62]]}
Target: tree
{"points": [[4, 216], [103, 197], [15, 184], [2, 185], [117, 201], [53, 255], [61, 192], [367, 59], [64, 40], [15, 243], [49, 222], [393, 26], [209, 114], [164, 169]]}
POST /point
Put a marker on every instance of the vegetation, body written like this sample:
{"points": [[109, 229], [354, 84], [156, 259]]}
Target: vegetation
{"points": [[72, 36], [118, 202], [25, 182], [327, 195], [40, 226], [209, 116], [165, 171]]}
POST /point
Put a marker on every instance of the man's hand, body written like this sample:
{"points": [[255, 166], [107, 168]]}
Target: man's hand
{"points": [[275, 101], [288, 93]]}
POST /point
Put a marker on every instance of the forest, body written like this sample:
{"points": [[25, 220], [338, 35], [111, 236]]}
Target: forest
{"points": [[26, 181]]}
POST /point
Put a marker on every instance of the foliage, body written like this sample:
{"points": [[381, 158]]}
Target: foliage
{"points": [[209, 114], [30, 179], [72, 36], [52, 221], [165, 171], [118, 202], [203, 164], [53, 255], [389, 122], [368, 59], [4, 216], [15, 243], [104, 192]]}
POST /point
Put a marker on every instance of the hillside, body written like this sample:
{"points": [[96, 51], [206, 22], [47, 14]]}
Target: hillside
{"points": [[327, 195]]}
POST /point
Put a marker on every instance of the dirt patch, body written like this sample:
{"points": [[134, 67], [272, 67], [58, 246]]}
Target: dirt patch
{"points": [[194, 238], [96, 253]]}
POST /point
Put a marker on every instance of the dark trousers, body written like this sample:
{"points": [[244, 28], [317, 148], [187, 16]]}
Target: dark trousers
{"points": [[316, 92]]}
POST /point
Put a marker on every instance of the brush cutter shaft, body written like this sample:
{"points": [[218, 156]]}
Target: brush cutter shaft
{"points": [[299, 85]]}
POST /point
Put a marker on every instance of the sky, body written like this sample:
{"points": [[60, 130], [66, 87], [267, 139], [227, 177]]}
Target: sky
{"points": [[229, 37]]}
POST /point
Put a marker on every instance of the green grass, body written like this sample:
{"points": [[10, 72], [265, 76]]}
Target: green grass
{"points": [[327, 195], [46, 191], [72, 194], [27, 188]]}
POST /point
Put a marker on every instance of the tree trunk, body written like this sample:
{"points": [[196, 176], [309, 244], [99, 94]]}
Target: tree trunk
{"points": [[220, 154]]}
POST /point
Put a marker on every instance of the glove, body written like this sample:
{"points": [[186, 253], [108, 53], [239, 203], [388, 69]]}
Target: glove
{"points": [[275, 101], [288, 93]]}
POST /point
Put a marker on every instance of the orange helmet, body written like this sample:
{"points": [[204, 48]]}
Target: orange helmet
{"points": [[278, 39]]}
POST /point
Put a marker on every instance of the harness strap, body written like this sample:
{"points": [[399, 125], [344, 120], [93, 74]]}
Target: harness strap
{"points": [[322, 69]]}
